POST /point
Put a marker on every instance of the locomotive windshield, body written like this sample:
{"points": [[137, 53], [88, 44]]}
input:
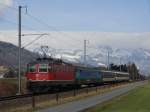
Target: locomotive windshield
{"points": [[43, 68], [31, 68]]}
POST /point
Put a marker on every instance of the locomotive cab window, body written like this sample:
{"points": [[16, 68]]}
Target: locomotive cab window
{"points": [[31, 68], [43, 68]]}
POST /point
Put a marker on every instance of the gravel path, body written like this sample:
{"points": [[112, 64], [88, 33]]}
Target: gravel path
{"points": [[82, 104]]}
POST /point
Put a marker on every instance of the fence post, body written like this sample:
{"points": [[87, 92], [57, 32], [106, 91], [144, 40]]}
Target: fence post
{"points": [[33, 101], [74, 91], [96, 89], [57, 97], [87, 90], [77, 90]]}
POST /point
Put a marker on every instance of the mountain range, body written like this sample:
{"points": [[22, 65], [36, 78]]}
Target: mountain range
{"points": [[9, 55], [96, 56]]}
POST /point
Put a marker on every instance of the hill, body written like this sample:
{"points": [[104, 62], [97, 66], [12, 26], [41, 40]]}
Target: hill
{"points": [[9, 55]]}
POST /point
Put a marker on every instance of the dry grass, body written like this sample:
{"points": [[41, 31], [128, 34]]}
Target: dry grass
{"points": [[49, 101], [8, 86]]}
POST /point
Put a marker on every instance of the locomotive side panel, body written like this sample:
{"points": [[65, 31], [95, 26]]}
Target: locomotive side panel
{"points": [[63, 73]]}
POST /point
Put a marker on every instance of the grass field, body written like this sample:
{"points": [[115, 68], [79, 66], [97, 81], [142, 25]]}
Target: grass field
{"points": [[137, 100]]}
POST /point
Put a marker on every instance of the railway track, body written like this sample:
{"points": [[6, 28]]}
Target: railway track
{"points": [[15, 97]]}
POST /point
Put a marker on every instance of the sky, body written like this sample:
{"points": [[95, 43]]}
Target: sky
{"points": [[115, 23], [81, 15]]}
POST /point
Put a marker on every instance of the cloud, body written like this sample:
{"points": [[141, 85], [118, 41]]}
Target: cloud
{"points": [[74, 40], [4, 4], [122, 40]]}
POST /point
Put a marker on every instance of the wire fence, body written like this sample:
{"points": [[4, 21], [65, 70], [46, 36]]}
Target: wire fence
{"points": [[35, 100]]}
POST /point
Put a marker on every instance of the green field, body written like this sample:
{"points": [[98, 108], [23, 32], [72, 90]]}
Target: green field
{"points": [[137, 100]]}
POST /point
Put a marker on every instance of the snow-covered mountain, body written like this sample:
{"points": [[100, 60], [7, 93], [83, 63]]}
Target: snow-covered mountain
{"points": [[127, 47], [98, 56]]}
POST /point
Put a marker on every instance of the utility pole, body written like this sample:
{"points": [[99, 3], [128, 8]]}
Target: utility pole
{"points": [[108, 60], [85, 52], [120, 63], [19, 49]]}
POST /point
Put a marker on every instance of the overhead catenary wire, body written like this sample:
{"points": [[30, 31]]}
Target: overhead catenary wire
{"points": [[41, 22], [44, 24], [33, 40], [9, 21], [24, 26], [14, 23], [51, 27]]}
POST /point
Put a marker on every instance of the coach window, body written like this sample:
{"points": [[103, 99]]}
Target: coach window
{"points": [[43, 68]]}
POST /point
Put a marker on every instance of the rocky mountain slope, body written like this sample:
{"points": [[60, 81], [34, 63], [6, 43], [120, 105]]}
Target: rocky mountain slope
{"points": [[9, 55]]}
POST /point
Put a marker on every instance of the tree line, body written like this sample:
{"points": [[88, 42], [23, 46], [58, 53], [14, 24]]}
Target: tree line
{"points": [[131, 68]]}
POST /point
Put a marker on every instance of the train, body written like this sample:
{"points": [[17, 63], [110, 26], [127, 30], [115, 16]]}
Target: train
{"points": [[49, 73]]}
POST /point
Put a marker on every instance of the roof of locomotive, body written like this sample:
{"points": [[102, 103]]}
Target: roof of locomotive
{"points": [[48, 61]]}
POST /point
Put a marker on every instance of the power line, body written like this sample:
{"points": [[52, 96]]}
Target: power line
{"points": [[14, 23], [40, 21], [35, 19], [16, 10], [24, 26], [50, 27], [34, 40], [29, 34], [8, 21], [28, 44]]}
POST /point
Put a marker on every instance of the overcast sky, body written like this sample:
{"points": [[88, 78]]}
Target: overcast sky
{"points": [[116, 23]]}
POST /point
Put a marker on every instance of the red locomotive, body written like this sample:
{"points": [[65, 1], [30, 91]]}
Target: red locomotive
{"points": [[48, 72]]}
